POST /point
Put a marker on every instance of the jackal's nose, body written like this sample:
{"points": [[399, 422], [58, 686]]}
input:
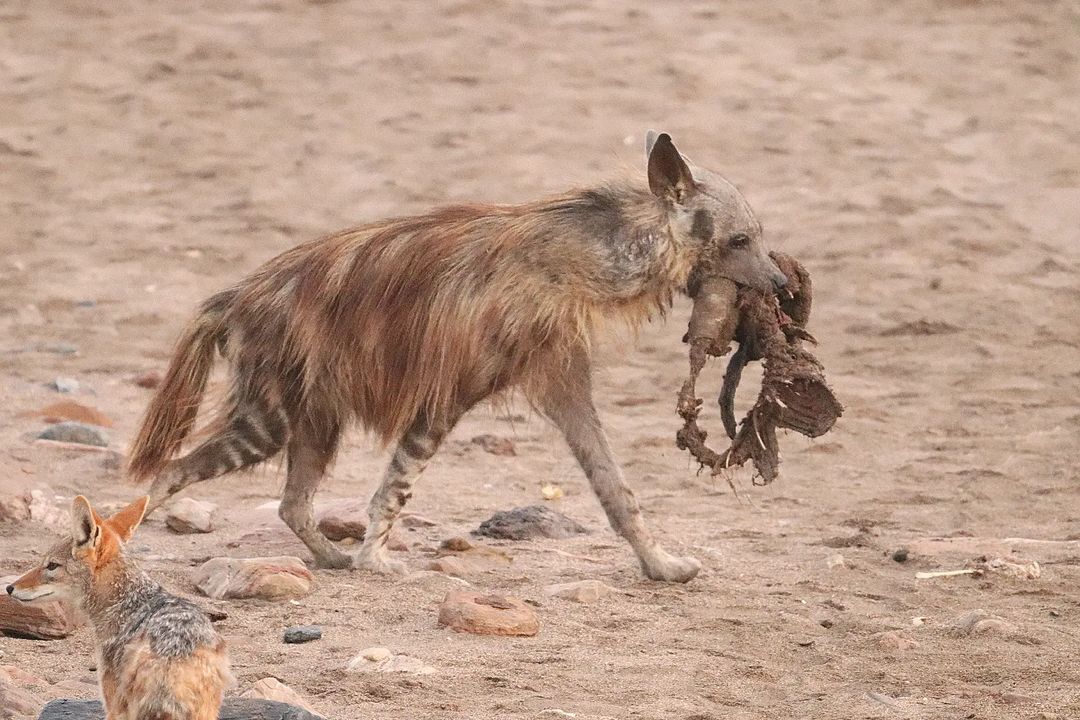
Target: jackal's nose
{"points": [[10, 589], [779, 281]]}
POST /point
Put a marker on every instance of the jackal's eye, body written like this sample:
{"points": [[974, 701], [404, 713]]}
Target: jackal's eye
{"points": [[52, 566], [739, 241]]}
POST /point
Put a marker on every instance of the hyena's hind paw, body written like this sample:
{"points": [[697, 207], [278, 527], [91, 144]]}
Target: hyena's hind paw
{"points": [[665, 567], [377, 562]]}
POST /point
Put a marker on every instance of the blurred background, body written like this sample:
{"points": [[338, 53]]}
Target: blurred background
{"points": [[921, 158]]}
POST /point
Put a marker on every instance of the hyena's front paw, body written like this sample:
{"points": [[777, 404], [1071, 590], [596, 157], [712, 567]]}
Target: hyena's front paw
{"points": [[377, 562], [665, 567]]}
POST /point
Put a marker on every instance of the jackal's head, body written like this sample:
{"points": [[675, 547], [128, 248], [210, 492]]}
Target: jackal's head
{"points": [[709, 215], [69, 568]]}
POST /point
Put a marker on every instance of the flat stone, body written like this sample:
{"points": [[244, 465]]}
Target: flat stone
{"points": [[347, 519], [42, 620], [894, 640], [273, 689], [231, 709], [188, 516], [495, 445], [980, 622], [413, 520], [75, 432], [149, 379], [15, 508], [302, 634], [488, 614], [70, 410], [65, 385], [15, 700], [530, 523], [381, 660], [582, 591], [272, 578]]}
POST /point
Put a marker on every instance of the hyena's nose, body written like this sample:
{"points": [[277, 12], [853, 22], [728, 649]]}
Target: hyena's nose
{"points": [[779, 281], [10, 589]]}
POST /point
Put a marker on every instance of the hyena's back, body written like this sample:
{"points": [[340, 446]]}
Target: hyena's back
{"points": [[417, 318]]}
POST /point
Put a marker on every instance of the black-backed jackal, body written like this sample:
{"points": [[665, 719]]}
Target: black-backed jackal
{"points": [[159, 658], [406, 324]]}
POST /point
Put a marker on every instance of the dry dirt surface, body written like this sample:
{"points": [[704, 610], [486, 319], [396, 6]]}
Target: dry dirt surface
{"points": [[922, 159]]}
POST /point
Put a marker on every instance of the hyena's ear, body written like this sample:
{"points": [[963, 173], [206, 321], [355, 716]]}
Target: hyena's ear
{"points": [[85, 524], [669, 175], [125, 522]]}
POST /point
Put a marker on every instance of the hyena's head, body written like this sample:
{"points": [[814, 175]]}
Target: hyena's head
{"points": [[709, 215], [69, 569]]}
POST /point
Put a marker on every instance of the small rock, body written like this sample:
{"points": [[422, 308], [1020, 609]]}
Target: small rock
{"points": [[1019, 569], [273, 689], [900, 555], [551, 491], [57, 348], [70, 410], [188, 516], [528, 523], [490, 614], [232, 707], [836, 560], [16, 701], [302, 634], [495, 445], [894, 640], [396, 544], [74, 432], [272, 578], [43, 620], [65, 385], [452, 566], [381, 660], [456, 544], [412, 520], [980, 622], [583, 591], [342, 520], [375, 654], [15, 508], [149, 379]]}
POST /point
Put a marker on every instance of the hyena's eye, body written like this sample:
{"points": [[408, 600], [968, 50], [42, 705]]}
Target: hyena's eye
{"points": [[739, 241], [52, 566]]}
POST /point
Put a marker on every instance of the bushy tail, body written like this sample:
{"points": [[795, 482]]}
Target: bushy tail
{"points": [[172, 412]]}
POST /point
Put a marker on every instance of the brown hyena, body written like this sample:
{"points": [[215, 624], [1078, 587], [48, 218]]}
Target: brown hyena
{"points": [[406, 324]]}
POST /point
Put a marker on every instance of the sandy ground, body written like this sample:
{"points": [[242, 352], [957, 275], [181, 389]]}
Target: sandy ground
{"points": [[921, 158]]}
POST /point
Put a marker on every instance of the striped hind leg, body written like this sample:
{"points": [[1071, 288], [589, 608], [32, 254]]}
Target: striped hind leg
{"points": [[411, 456], [310, 450], [252, 434]]}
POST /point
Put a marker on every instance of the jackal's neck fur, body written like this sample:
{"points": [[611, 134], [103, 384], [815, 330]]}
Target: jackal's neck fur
{"points": [[111, 600]]}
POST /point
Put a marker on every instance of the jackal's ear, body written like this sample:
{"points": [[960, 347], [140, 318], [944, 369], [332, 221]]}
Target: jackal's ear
{"points": [[127, 520], [85, 524], [669, 175]]}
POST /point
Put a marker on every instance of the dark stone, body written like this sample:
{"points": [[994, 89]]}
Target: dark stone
{"points": [[302, 634], [75, 432], [232, 709], [900, 555], [529, 523]]}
